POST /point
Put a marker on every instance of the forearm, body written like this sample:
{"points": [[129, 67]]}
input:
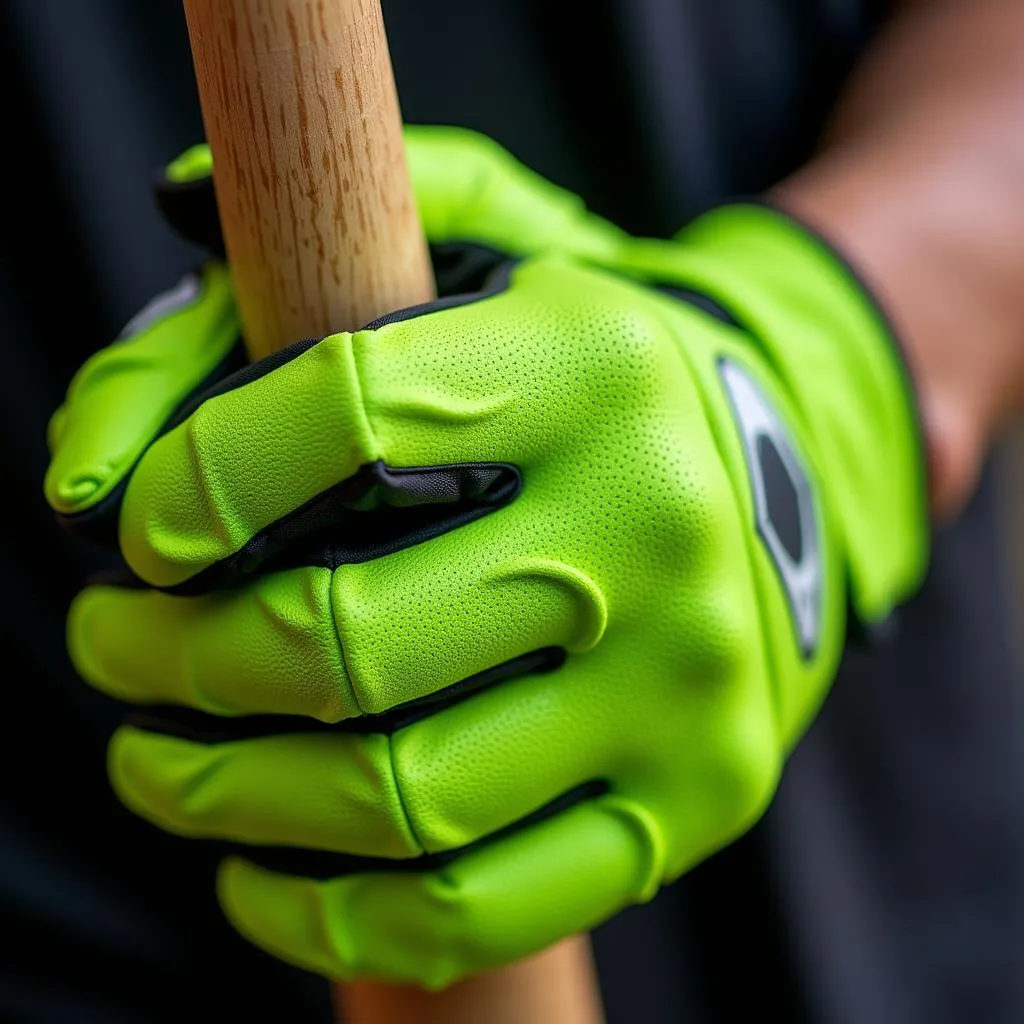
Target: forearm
{"points": [[921, 185]]}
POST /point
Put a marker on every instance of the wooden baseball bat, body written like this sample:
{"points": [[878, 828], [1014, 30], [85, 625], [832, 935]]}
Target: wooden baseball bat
{"points": [[301, 113]]}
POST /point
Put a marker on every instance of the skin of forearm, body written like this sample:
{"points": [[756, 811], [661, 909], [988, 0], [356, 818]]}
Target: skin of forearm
{"points": [[920, 184]]}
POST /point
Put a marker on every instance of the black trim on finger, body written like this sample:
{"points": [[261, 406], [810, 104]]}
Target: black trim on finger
{"points": [[468, 490], [190, 209], [200, 727], [323, 865], [701, 301], [464, 267], [243, 374], [496, 281], [547, 659], [378, 511]]}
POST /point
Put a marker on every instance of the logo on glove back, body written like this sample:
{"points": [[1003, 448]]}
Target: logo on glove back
{"points": [[184, 293], [784, 504]]}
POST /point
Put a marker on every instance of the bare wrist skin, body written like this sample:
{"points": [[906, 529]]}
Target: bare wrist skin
{"points": [[920, 185]]}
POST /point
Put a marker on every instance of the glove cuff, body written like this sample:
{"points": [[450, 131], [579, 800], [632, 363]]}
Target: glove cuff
{"points": [[835, 351]]}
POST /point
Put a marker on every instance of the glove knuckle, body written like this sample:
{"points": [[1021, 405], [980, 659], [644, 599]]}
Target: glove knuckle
{"points": [[721, 637], [748, 778], [634, 349]]}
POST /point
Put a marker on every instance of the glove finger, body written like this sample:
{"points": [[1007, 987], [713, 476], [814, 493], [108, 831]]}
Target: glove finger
{"points": [[419, 621], [376, 635], [489, 907], [491, 762], [703, 739], [376, 795], [469, 188], [125, 393], [244, 458], [324, 791], [268, 649], [329, 421]]}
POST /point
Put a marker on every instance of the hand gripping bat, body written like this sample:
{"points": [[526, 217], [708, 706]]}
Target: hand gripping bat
{"points": [[302, 116]]}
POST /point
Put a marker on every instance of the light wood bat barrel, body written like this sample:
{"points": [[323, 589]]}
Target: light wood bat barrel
{"points": [[301, 113], [302, 117]]}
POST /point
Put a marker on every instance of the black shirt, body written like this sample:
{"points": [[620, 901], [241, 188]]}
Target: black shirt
{"points": [[885, 884]]}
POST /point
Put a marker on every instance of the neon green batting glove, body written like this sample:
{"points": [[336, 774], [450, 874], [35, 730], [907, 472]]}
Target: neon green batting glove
{"points": [[477, 625]]}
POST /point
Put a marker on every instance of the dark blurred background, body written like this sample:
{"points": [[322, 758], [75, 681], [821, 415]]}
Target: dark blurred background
{"points": [[654, 110], [1011, 473]]}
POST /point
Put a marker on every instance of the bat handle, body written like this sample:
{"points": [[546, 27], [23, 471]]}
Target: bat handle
{"points": [[557, 986], [301, 113], [302, 116]]}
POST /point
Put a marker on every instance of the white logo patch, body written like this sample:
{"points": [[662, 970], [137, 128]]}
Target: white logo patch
{"points": [[186, 291], [794, 545]]}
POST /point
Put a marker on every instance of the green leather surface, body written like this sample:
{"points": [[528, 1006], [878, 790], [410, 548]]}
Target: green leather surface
{"points": [[634, 545]]}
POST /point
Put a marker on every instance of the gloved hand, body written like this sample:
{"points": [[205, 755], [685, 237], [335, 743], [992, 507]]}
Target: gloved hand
{"points": [[493, 618]]}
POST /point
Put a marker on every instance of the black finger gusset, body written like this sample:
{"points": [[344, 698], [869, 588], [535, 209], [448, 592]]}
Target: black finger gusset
{"points": [[98, 525], [379, 510], [495, 278], [461, 267], [873, 637], [703, 302], [322, 865], [330, 530], [190, 210], [200, 727]]}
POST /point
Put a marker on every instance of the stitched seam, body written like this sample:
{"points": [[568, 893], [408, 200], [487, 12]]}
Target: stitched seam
{"points": [[342, 646], [399, 797], [373, 453], [359, 399]]}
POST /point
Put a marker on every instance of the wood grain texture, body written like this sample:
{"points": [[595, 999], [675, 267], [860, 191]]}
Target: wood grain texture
{"points": [[302, 117]]}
